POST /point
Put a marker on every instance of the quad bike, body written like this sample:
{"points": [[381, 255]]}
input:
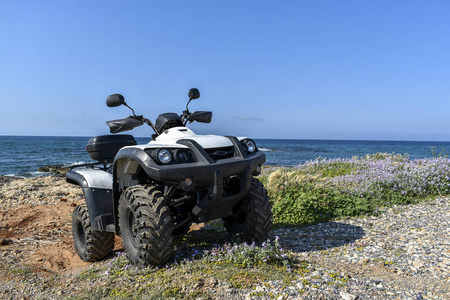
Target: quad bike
{"points": [[149, 193]]}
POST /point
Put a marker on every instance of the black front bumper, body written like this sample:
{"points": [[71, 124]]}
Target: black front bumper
{"points": [[209, 174]]}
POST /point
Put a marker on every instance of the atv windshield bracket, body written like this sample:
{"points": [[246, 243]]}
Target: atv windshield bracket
{"points": [[238, 148]]}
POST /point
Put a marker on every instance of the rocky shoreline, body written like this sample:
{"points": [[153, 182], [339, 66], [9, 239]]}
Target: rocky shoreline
{"points": [[35, 191], [403, 253]]}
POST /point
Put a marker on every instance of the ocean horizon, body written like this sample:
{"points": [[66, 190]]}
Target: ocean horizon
{"points": [[23, 155], [137, 137]]}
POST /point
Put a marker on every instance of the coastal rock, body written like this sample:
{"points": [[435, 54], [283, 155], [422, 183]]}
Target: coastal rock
{"points": [[54, 169], [347, 296], [5, 242], [6, 179]]}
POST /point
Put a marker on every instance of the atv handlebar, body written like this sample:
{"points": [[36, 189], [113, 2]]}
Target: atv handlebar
{"points": [[134, 121]]}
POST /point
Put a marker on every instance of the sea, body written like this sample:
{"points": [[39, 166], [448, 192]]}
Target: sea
{"points": [[23, 155]]}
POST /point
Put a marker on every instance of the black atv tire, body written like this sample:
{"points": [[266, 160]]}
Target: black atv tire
{"points": [[146, 225], [91, 245], [253, 215]]}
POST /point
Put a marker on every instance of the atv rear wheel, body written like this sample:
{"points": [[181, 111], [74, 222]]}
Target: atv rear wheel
{"points": [[91, 245], [146, 225], [253, 215]]}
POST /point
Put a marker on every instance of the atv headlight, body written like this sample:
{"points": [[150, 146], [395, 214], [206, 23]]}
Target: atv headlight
{"points": [[251, 145], [181, 156], [164, 156]]}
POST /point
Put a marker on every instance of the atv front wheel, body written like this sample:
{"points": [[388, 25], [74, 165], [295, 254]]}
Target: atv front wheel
{"points": [[91, 245], [252, 217], [145, 225]]}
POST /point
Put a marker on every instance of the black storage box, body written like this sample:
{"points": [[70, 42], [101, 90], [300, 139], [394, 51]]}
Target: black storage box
{"points": [[105, 147]]}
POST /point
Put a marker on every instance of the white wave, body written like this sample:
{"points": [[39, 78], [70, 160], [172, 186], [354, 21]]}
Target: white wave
{"points": [[39, 173], [81, 162], [15, 176], [265, 149]]}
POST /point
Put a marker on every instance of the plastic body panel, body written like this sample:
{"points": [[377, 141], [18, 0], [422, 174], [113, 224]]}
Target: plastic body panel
{"points": [[97, 189]]}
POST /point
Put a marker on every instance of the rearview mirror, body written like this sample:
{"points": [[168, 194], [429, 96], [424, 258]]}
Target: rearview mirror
{"points": [[115, 100], [193, 94]]}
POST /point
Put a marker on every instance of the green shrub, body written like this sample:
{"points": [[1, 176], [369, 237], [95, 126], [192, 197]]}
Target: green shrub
{"points": [[323, 189]]}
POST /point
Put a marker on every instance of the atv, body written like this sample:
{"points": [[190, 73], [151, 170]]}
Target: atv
{"points": [[150, 193]]}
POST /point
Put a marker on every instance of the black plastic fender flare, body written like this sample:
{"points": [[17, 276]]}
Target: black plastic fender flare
{"points": [[145, 162], [137, 154], [97, 188]]}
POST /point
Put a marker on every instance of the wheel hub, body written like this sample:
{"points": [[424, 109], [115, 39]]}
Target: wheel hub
{"points": [[80, 233], [132, 228]]}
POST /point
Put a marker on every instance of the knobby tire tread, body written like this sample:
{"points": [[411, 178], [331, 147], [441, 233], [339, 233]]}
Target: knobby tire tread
{"points": [[258, 220], [98, 244], [154, 223]]}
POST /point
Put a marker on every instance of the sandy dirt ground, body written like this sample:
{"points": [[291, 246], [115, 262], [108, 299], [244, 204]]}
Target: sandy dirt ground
{"points": [[35, 225]]}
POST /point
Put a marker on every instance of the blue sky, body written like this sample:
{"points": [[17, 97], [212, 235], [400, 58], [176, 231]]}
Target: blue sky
{"points": [[367, 70]]}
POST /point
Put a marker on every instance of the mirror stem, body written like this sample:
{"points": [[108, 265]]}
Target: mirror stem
{"points": [[148, 122], [187, 109], [186, 112], [131, 109]]}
